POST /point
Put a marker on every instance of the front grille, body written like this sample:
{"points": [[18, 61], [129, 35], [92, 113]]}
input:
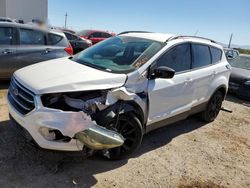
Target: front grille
{"points": [[21, 98]]}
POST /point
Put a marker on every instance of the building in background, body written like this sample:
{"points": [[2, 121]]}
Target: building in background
{"points": [[25, 10]]}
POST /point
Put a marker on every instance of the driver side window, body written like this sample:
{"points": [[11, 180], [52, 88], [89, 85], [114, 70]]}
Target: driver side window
{"points": [[177, 58]]}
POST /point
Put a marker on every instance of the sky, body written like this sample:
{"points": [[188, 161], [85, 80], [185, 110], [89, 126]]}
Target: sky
{"points": [[215, 19]]}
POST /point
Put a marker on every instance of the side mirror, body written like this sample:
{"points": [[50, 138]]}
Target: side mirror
{"points": [[229, 56], [163, 72]]}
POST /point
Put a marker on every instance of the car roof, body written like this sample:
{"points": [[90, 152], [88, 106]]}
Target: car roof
{"points": [[152, 36], [94, 30], [27, 26], [161, 37]]}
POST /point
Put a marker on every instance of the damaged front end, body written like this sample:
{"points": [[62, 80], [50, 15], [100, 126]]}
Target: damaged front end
{"points": [[96, 106], [95, 137]]}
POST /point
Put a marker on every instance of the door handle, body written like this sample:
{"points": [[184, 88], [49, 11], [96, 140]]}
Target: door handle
{"points": [[47, 50], [7, 52], [188, 80]]}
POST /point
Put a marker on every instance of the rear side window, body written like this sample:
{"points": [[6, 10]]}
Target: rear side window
{"points": [[201, 55], [6, 35], [177, 58], [216, 54], [106, 35], [96, 35], [69, 37], [54, 39], [31, 37]]}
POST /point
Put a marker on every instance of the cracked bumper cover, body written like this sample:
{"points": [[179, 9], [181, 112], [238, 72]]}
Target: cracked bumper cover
{"points": [[76, 125]]}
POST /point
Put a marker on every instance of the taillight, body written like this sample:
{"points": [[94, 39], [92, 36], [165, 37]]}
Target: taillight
{"points": [[69, 49]]}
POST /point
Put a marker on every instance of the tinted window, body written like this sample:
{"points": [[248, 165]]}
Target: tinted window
{"points": [[32, 37], [74, 37], [216, 54], [106, 35], [6, 35], [201, 55], [69, 36], [235, 54], [96, 35], [54, 39], [177, 58], [83, 32]]}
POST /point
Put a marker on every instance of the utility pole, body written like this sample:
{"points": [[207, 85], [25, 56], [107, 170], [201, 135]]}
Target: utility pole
{"points": [[66, 16], [229, 44]]}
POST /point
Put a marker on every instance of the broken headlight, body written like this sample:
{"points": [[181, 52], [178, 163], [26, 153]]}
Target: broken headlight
{"points": [[87, 101]]}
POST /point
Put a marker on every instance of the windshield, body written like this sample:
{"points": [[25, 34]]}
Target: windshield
{"points": [[242, 62], [83, 32], [119, 54]]}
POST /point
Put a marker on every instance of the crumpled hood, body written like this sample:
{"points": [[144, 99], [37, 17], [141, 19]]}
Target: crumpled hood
{"points": [[64, 75]]}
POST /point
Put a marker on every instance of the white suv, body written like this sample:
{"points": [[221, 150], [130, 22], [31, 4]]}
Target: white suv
{"points": [[108, 96]]}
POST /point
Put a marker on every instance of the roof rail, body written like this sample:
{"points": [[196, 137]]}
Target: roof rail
{"points": [[187, 36], [125, 32]]}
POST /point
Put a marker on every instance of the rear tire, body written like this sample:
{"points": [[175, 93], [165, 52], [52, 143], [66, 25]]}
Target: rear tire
{"points": [[130, 127], [213, 107]]}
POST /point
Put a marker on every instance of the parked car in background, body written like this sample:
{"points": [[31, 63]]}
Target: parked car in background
{"points": [[231, 53], [5, 19], [239, 82], [94, 35], [108, 96], [22, 45], [78, 44], [63, 29]]}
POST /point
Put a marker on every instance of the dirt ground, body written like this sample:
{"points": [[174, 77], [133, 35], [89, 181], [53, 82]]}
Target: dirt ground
{"points": [[185, 154]]}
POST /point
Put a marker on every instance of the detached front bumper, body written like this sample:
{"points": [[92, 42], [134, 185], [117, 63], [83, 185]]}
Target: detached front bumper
{"points": [[75, 129], [68, 123]]}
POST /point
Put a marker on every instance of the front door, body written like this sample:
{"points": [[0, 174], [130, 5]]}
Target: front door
{"points": [[170, 97], [8, 58]]}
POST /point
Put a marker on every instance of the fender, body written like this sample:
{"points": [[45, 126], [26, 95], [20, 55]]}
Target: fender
{"points": [[120, 107]]}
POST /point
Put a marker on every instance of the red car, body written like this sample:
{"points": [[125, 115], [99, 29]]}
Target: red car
{"points": [[94, 35]]}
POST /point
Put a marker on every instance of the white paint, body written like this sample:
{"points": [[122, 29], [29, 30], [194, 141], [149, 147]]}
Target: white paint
{"points": [[64, 75]]}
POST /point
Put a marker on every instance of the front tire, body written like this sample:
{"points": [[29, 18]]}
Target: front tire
{"points": [[130, 127], [213, 107]]}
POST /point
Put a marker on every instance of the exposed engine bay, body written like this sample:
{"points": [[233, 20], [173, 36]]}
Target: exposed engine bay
{"points": [[87, 102], [97, 105]]}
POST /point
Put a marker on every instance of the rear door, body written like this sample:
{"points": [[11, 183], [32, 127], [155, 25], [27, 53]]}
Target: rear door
{"points": [[202, 72], [32, 47], [8, 58]]}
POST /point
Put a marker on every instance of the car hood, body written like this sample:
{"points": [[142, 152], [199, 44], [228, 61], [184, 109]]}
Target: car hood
{"points": [[64, 75], [239, 75]]}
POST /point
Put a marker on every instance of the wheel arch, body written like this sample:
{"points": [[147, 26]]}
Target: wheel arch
{"points": [[222, 88], [120, 107]]}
